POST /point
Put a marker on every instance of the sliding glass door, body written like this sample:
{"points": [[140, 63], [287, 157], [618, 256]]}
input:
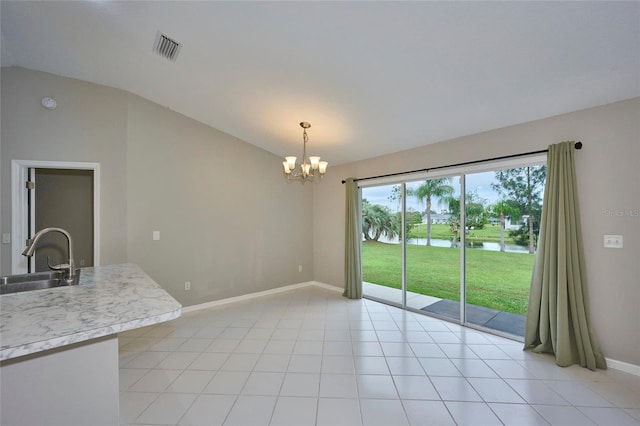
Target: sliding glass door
{"points": [[458, 247], [433, 249], [382, 243], [502, 209], [411, 245]]}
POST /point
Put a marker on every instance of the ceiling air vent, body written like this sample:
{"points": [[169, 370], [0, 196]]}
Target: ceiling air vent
{"points": [[166, 47]]}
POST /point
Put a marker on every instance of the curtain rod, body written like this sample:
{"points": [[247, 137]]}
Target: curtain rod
{"points": [[578, 145]]}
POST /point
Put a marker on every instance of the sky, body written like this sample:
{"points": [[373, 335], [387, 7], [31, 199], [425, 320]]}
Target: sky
{"points": [[476, 182]]}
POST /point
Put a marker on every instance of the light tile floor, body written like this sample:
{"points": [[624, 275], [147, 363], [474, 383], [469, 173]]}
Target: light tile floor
{"points": [[394, 295], [310, 356]]}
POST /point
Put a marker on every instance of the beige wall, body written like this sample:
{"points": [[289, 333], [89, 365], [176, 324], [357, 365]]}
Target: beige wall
{"points": [[89, 125], [229, 223], [609, 180]]}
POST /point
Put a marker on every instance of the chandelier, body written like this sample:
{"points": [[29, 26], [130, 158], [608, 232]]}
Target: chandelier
{"points": [[311, 168]]}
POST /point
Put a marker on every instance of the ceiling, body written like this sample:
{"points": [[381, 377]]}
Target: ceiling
{"points": [[371, 77]]}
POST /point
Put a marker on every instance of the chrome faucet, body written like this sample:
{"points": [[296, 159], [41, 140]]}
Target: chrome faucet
{"points": [[70, 267]]}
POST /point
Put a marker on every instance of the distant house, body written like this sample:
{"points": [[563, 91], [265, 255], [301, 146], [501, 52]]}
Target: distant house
{"points": [[445, 218], [437, 218], [512, 226]]}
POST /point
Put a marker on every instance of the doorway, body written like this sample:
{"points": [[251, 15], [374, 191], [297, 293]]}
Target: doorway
{"points": [[383, 245], [63, 199], [66, 195], [410, 256], [460, 246]]}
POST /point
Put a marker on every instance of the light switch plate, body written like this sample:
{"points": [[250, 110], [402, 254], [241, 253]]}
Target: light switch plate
{"points": [[156, 235], [613, 241], [6, 238]]}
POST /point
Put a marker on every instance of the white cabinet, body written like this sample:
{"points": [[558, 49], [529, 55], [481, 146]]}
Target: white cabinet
{"points": [[72, 385]]}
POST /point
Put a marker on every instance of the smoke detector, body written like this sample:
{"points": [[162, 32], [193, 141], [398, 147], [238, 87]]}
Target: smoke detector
{"points": [[49, 103]]}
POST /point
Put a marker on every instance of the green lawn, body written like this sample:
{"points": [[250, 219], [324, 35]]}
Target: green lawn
{"points": [[490, 233], [495, 280]]}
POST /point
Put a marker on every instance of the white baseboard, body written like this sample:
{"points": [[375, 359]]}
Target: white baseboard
{"points": [[327, 286], [623, 366], [258, 294], [611, 363]]}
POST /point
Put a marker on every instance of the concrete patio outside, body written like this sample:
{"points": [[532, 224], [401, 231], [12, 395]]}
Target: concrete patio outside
{"points": [[504, 322]]}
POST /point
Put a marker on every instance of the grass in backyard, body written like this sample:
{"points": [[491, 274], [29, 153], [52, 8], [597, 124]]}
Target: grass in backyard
{"points": [[490, 233], [495, 280]]}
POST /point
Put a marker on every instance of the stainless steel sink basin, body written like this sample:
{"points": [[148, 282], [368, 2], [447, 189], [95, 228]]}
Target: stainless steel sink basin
{"points": [[35, 281]]}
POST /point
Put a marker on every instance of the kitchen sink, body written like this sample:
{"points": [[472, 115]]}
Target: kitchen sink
{"points": [[36, 281]]}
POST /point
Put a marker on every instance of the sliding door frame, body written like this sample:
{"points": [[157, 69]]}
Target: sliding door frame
{"points": [[403, 226], [461, 172], [463, 249]]}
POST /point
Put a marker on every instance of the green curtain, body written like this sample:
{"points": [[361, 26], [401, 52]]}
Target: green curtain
{"points": [[352, 243], [558, 313]]}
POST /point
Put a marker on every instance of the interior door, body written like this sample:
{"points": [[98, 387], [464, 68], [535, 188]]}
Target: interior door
{"points": [[61, 198]]}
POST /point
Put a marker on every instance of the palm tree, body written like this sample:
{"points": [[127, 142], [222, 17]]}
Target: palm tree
{"points": [[453, 204], [474, 211], [377, 220], [502, 209], [432, 188]]}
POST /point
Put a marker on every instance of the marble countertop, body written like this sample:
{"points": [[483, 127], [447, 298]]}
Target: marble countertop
{"points": [[108, 300]]}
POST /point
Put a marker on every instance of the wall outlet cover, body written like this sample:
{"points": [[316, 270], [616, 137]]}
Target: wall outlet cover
{"points": [[613, 241]]}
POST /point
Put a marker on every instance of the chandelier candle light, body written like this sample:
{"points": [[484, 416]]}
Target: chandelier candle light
{"points": [[311, 168]]}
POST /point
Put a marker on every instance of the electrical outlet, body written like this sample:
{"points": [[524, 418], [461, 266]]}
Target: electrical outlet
{"points": [[187, 286], [82, 262], [6, 238], [613, 241], [299, 268]]}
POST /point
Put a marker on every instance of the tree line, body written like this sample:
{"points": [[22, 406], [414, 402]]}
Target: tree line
{"points": [[520, 192]]}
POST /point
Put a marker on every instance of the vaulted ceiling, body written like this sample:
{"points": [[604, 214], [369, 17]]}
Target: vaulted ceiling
{"points": [[371, 77]]}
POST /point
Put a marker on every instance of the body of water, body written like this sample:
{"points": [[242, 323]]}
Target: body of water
{"points": [[447, 243]]}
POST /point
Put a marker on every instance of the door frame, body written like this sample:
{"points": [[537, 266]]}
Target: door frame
{"points": [[460, 172], [20, 207]]}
